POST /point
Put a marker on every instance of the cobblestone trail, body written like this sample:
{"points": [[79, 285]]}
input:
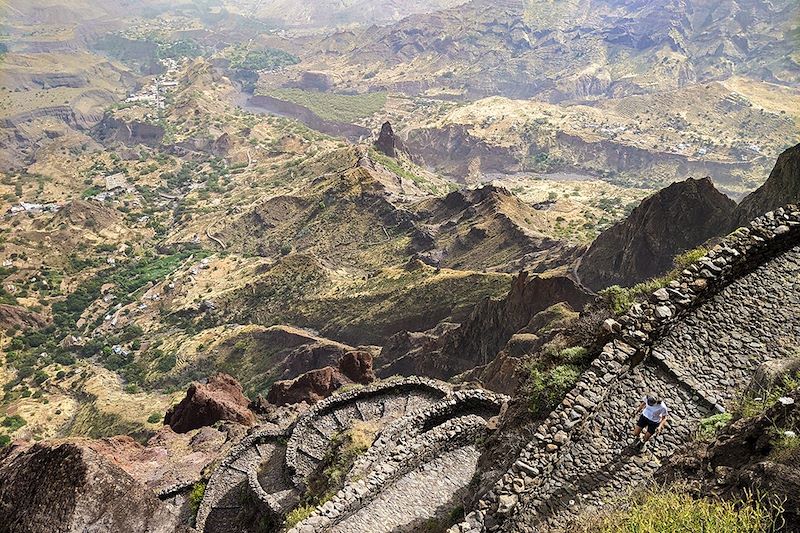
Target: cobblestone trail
{"points": [[383, 407], [700, 364], [267, 472], [434, 488], [223, 507]]}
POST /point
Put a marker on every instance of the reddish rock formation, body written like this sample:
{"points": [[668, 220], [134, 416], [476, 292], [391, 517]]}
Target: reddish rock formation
{"points": [[644, 245], [219, 399], [14, 316], [168, 458], [64, 487], [313, 386], [357, 367]]}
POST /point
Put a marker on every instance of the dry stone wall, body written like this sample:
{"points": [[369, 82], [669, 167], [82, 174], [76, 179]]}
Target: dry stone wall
{"points": [[269, 467], [695, 342], [385, 400], [414, 444]]}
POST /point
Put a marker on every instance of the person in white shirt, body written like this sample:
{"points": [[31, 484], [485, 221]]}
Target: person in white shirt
{"points": [[652, 419]]}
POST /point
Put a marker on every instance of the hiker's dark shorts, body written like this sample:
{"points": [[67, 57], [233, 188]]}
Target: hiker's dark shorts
{"points": [[645, 422]]}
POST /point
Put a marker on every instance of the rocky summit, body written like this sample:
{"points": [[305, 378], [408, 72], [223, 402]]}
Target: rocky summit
{"points": [[399, 266]]}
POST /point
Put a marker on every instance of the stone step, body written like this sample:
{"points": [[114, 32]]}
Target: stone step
{"points": [[248, 460], [223, 520]]}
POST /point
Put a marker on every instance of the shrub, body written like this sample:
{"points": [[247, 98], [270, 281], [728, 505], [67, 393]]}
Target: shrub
{"points": [[711, 425], [40, 377], [13, 422], [546, 388], [154, 418], [166, 363], [5, 440], [297, 515], [575, 354], [196, 496], [786, 448], [753, 405], [673, 510]]}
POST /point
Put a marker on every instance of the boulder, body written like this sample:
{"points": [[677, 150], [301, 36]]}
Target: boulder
{"points": [[311, 387], [357, 367], [354, 367], [219, 399], [63, 487]]}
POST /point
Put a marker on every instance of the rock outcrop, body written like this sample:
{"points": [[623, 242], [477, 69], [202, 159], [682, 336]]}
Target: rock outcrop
{"points": [[487, 330], [14, 316], [219, 399], [781, 188], [740, 461], [313, 386], [388, 143], [673, 220], [67, 488], [168, 459]]}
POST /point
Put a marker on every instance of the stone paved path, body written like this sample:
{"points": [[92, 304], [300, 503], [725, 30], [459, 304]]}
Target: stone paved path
{"points": [[255, 472], [228, 493], [382, 408], [703, 361], [432, 489]]}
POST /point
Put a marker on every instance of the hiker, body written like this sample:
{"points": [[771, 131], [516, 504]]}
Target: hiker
{"points": [[653, 417]]}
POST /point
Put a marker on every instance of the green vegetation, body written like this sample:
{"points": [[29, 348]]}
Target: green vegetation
{"points": [[267, 59], [90, 422], [13, 423], [196, 496], [297, 515], [330, 106], [127, 278], [154, 418], [394, 166], [785, 447], [345, 447], [757, 402], [711, 425], [545, 388], [620, 299], [179, 49], [673, 510], [5, 440]]}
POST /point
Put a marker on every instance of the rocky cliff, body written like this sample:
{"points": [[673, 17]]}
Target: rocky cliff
{"points": [[487, 330], [66, 488], [782, 187], [673, 220]]}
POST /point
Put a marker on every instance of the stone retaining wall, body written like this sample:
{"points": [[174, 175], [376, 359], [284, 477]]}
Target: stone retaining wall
{"points": [[556, 444], [302, 429], [413, 424], [239, 470], [217, 483], [404, 446]]}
